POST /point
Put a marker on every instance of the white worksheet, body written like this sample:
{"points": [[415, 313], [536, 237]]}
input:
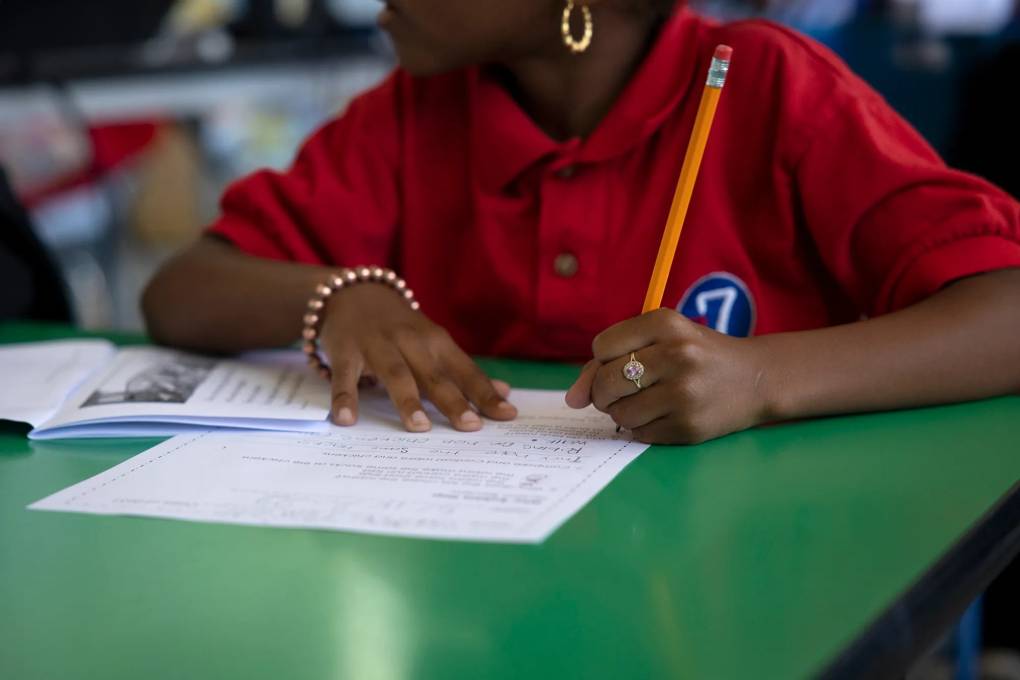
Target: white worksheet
{"points": [[510, 482]]}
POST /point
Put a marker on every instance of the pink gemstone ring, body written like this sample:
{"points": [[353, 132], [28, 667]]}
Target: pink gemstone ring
{"points": [[633, 370]]}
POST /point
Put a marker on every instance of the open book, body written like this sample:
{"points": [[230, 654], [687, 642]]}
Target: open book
{"points": [[90, 388]]}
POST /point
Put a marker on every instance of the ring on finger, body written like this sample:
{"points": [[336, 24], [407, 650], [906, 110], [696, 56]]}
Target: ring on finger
{"points": [[633, 370]]}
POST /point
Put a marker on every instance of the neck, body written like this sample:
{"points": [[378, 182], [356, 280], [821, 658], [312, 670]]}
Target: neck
{"points": [[566, 94]]}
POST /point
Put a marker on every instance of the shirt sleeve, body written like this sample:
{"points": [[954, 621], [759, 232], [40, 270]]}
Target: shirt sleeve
{"points": [[892, 223], [337, 204]]}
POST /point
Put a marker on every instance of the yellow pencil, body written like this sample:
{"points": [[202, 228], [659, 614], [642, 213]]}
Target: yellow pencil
{"points": [[688, 176]]}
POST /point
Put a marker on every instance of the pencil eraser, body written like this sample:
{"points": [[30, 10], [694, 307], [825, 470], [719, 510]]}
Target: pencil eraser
{"points": [[723, 52]]}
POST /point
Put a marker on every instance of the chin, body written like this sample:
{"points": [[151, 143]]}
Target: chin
{"points": [[421, 62]]}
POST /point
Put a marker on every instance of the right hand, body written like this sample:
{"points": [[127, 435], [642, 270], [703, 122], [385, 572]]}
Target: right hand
{"points": [[370, 330]]}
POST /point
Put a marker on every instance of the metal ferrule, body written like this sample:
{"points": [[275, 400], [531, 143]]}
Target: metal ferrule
{"points": [[717, 73]]}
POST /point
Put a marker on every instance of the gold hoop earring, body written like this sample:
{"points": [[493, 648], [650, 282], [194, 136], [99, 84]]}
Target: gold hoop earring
{"points": [[574, 45]]}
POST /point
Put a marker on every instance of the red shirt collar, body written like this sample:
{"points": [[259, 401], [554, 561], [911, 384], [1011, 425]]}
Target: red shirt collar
{"points": [[505, 141]]}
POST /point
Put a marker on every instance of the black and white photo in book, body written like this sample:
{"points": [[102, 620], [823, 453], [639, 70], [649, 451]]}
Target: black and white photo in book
{"points": [[172, 381]]}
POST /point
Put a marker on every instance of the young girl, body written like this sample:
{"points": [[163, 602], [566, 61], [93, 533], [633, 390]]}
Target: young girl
{"points": [[518, 169]]}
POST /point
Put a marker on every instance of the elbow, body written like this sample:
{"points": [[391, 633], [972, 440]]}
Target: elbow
{"points": [[179, 305], [163, 323], [172, 303]]}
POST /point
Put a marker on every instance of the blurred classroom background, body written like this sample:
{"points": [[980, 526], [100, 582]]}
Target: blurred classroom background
{"points": [[122, 121]]}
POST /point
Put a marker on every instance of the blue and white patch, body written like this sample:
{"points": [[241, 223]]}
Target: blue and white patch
{"points": [[722, 302]]}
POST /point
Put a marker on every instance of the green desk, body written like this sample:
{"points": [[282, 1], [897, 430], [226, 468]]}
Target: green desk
{"points": [[840, 547]]}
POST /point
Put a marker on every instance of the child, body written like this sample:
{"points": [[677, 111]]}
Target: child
{"points": [[518, 172]]}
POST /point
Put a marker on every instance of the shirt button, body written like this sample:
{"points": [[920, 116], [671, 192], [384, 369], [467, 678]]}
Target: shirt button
{"points": [[565, 265], [566, 172]]}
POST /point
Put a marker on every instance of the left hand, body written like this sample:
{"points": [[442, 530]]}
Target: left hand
{"points": [[698, 384]]}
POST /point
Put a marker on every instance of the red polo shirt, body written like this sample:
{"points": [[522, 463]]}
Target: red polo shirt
{"points": [[815, 204]]}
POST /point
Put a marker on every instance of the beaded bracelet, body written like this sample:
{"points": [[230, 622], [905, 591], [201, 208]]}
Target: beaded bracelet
{"points": [[317, 305]]}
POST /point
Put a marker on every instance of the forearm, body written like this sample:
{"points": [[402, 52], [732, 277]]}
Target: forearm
{"points": [[962, 343], [212, 297]]}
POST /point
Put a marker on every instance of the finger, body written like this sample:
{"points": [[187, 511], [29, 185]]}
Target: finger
{"points": [[631, 335], [579, 394], [640, 409], [658, 431], [674, 429], [390, 367], [611, 383], [438, 385], [346, 364], [477, 387]]}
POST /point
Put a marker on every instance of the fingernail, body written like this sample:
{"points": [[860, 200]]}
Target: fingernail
{"points": [[344, 416], [419, 420], [506, 407], [502, 388], [470, 419]]}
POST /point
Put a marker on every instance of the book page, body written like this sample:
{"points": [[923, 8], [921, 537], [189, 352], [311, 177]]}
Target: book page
{"points": [[272, 390], [36, 377], [510, 482]]}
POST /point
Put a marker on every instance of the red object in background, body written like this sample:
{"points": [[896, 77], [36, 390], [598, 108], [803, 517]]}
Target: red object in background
{"points": [[112, 146]]}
